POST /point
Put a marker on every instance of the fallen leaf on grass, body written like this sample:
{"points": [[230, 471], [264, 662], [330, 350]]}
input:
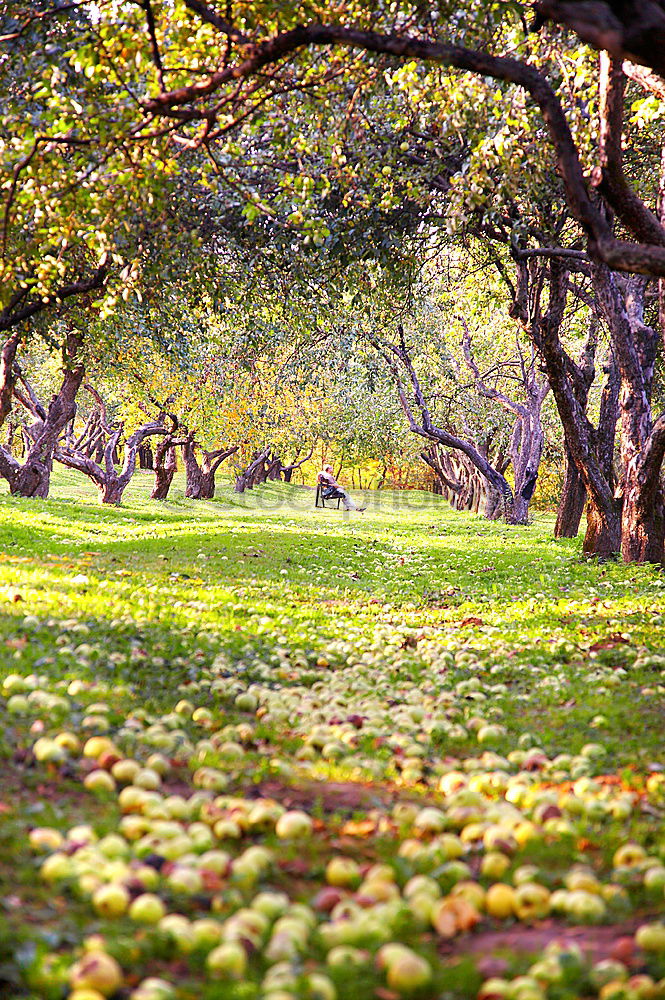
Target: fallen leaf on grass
{"points": [[358, 828], [16, 643], [454, 915]]}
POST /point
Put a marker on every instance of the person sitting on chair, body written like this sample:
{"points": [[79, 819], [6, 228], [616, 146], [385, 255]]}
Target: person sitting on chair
{"points": [[331, 490]]}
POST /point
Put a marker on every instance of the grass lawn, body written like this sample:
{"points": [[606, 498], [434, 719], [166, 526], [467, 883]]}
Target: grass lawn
{"points": [[444, 702]]}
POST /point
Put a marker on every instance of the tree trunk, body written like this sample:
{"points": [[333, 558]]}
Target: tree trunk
{"points": [[247, 478], [193, 472], [206, 486], [33, 478], [571, 504], [111, 492], [492, 504], [166, 464], [145, 457], [274, 472], [8, 374], [642, 526], [520, 510], [635, 345], [110, 483], [581, 437], [200, 478], [603, 532]]}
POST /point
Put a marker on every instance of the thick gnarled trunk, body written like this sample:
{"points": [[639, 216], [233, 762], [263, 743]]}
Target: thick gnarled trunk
{"points": [[253, 474], [110, 483], [166, 464], [200, 477], [572, 501], [33, 477], [642, 525], [8, 374], [603, 533], [642, 443], [564, 377]]}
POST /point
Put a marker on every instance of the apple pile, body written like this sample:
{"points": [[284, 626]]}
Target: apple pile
{"points": [[276, 896]]}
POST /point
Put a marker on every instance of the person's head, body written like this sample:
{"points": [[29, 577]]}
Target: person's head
{"points": [[327, 468]]}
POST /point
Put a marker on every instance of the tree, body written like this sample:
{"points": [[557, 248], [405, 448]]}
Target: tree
{"points": [[581, 375], [527, 437], [398, 359], [201, 475], [240, 118], [110, 482], [33, 477], [635, 343]]}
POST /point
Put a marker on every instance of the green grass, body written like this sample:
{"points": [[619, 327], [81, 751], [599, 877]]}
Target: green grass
{"points": [[419, 622]]}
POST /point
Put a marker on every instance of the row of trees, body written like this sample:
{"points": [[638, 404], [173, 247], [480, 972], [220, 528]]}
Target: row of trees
{"points": [[307, 165]]}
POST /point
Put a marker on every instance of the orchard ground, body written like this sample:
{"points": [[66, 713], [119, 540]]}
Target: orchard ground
{"points": [[451, 703]]}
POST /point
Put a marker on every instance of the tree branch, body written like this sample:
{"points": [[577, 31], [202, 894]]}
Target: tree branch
{"points": [[10, 319], [609, 175], [222, 455], [8, 374], [157, 59], [210, 16], [485, 390], [643, 258], [633, 31], [428, 429], [650, 81]]}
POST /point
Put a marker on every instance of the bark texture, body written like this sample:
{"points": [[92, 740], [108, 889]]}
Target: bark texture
{"points": [[642, 441], [573, 499], [564, 377]]}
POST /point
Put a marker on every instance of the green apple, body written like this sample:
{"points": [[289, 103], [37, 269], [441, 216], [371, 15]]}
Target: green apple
{"points": [[110, 900], [408, 973], [206, 933], [153, 989], [500, 900], [147, 909], [343, 872], [56, 867], [99, 781], [47, 751], [294, 825], [494, 865], [227, 961], [45, 838], [531, 901], [651, 937]]}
